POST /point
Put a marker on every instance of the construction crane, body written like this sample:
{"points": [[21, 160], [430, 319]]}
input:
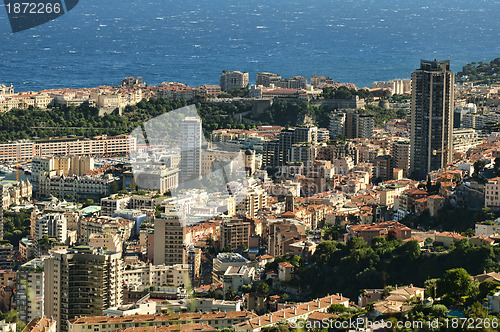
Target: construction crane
{"points": [[16, 166]]}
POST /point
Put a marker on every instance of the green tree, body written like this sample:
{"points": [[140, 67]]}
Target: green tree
{"points": [[9, 316], [343, 93], [263, 288], [230, 294], [337, 308], [88, 202], [455, 284], [477, 310], [478, 166], [488, 287], [431, 287], [246, 288], [439, 310], [411, 250]]}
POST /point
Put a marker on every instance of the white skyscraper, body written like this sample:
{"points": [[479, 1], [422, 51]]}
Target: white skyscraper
{"points": [[192, 136]]}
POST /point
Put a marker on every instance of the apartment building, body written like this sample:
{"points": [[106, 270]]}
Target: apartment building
{"points": [[26, 249], [55, 183], [389, 230], [30, 290], [237, 276], [491, 189], [54, 225], [81, 281], [218, 320], [233, 80], [400, 153], [255, 200], [97, 146], [266, 79], [431, 117], [192, 139], [113, 203], [278, 152], [465, 139], [351, 123], [103, 225], [383, 167], [234, 234], [225, 260], [337, 125], [107, 241], [169, 239], [6, 256], [488, 228], [156, 275]]}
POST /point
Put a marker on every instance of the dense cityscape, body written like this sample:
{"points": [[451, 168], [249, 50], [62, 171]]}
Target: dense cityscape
{"points": [[278, 204]]}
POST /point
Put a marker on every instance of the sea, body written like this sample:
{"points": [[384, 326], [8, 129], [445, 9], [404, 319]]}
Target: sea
{"points": [[100, 42]]}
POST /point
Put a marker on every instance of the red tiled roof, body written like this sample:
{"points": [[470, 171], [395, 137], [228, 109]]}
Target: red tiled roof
{"points": [[171, 328]]}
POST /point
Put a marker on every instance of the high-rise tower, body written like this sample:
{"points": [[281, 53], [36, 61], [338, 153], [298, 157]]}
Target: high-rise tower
{"points": [[192, 136], [81, 281], [431, 117]]}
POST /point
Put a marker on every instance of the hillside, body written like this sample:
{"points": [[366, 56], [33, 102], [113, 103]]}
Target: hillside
{"points": [[480, 73]]}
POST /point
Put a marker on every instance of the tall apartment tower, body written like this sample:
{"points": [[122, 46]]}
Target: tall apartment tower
{"points": [[358, 125], [192, 136], [431, 117], [337, 125], [400, 153], [169, 236], [30, 295], [278, 152], [233, 80], [81, 281], [194, 263]]}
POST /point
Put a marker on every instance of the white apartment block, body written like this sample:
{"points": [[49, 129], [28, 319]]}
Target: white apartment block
{"points": [[192, 138], [97, 146], [465, 139], [488, 228], [53, 225], [157, 275], [237, 276]]}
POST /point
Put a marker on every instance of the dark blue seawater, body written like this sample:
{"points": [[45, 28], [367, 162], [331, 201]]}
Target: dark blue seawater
{"points": [[102, 41]]}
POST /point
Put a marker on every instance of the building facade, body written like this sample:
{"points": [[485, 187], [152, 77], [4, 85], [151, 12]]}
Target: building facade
{"points": [[81, 281], [169, 237], [192, 136], [431, 117], [30, 290], [233, 80]]}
